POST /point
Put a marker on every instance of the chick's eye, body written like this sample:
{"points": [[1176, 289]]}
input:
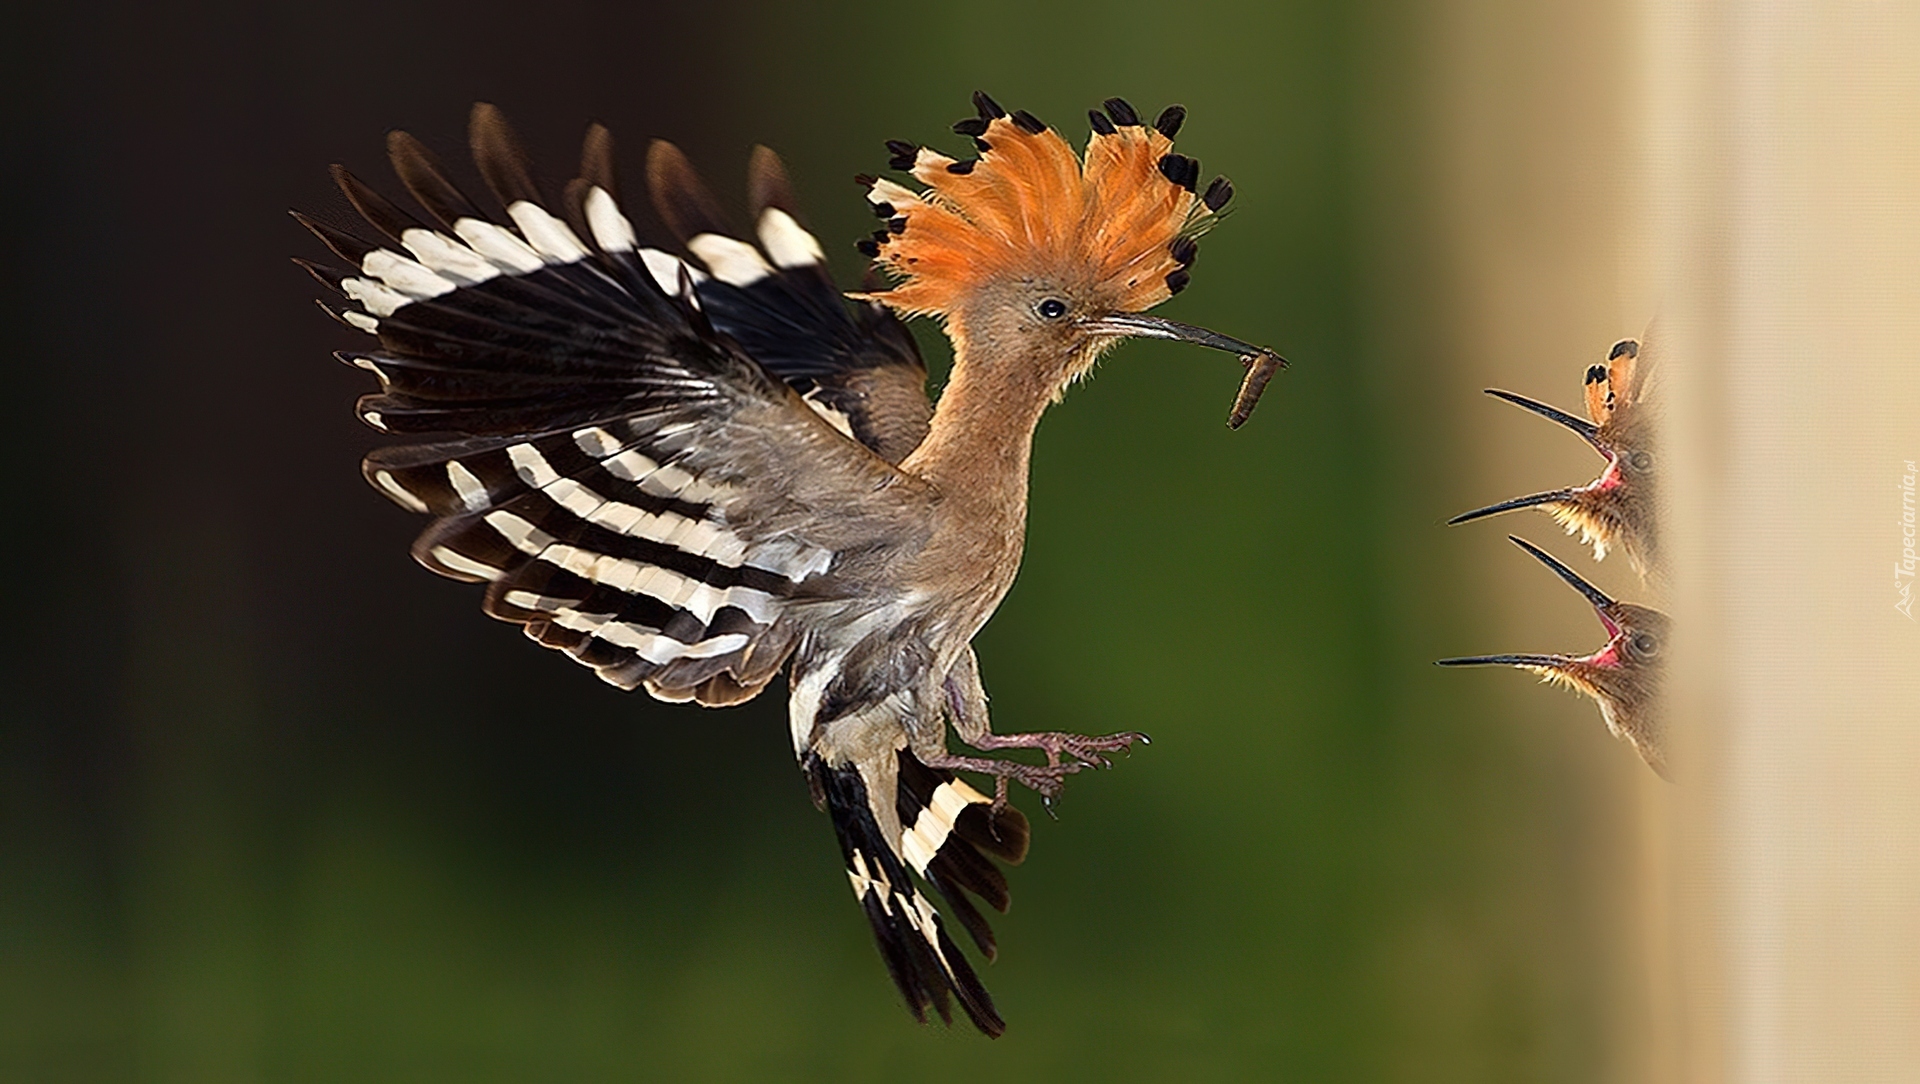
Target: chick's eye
{"points": [[1051, 309], [1641, 461], [1644, 644]]}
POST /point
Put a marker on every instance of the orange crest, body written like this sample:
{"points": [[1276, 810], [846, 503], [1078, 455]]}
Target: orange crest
{"points": [[1120, 224], [1611, 387]]}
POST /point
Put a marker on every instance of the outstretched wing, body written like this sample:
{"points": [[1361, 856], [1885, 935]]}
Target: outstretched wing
{"points": [[631, 485], [854, 362]]}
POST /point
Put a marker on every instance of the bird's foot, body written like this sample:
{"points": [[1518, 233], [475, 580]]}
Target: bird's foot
{"points": [[1046, 780], [1088, 750]]}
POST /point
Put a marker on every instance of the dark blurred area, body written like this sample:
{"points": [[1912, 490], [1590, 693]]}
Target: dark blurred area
{"points": [[277, 804]]}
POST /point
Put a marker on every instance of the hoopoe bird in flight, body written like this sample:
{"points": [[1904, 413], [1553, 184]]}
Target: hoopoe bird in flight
{"points": [[1623, 677], [1620, 506], [692, 472]]}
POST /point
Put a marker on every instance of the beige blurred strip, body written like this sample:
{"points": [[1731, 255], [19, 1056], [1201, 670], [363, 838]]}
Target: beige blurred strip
{"points": [[1784, 179], [1530, 180], [1536, 183]]}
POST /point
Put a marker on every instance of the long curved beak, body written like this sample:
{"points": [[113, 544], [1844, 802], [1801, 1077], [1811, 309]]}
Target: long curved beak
{"points": [[1549, 662], [1602, 605], [1549, 497], [1574, 580], [1587, 430], [1261, 362]]}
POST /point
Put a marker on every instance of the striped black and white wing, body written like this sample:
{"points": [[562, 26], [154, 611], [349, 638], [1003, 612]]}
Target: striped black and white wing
{"points": [[854, 362], [633, 487]]}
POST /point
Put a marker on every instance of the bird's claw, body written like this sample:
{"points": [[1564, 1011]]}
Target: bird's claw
{"points": [[1087, 750], [1082, 751], [1046, 780]]}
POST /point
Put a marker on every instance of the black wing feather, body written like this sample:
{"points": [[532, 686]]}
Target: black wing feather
{"points": [[502, 159], [855, 359]]}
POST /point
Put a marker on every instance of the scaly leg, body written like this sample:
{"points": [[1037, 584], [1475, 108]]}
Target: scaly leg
{"points": [[967, 704], [1046, 780]]}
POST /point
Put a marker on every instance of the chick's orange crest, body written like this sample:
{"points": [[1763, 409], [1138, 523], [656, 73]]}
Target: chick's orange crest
{"points": [[1120, 223]]}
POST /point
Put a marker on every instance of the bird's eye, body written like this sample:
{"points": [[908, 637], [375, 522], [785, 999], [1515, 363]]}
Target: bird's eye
{"points": [[1641, 461], [1645, 645], [1051, 309]]}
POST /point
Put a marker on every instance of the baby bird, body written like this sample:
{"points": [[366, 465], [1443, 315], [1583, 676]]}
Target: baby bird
{"points": [[1618, 507], [1623, 677]]}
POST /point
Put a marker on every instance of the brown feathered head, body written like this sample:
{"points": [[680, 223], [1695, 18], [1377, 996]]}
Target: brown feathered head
{"points": [[1033, 251]]}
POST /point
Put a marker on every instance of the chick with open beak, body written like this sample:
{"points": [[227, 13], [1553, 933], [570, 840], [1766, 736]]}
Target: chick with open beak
{"points": [[1623, 676], [1618, 507]]}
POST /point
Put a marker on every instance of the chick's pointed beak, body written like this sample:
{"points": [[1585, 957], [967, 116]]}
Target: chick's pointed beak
{"points": [[1535, 662], [1573, 579], [1603, 606], [1261, 362], [1588, 431], [1551, 496]]}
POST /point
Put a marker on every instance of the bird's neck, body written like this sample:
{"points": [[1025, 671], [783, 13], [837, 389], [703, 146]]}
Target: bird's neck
{"points": [[981, 438]]}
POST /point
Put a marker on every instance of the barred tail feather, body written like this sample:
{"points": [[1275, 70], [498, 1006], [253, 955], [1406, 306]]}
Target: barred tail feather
{"points": [[925, 963], [947, 831]]}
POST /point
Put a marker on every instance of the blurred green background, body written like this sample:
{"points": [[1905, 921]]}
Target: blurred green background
{"points": [[279, 806]]}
